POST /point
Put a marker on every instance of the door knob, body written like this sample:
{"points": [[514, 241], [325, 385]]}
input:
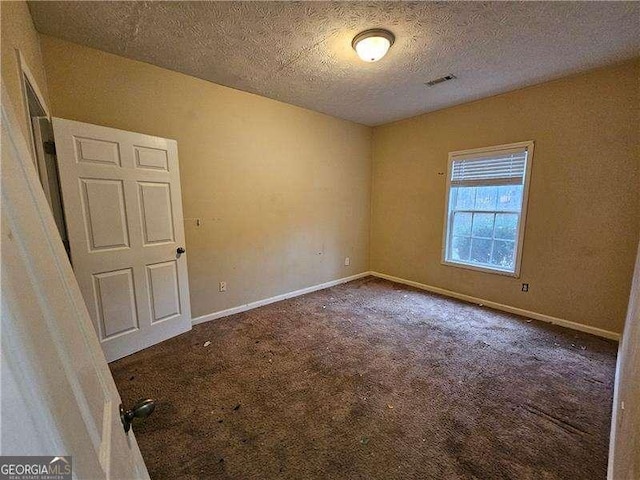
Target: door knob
{"points": [[142, 409], [180, 250]]}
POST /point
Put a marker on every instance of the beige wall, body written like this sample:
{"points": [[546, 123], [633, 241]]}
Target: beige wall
{"points": [[19, 33], [283, 192], [584, 205], [624, 458]]}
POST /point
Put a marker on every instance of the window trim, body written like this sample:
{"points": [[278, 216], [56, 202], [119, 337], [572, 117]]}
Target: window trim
{"points": [[529, 146]]}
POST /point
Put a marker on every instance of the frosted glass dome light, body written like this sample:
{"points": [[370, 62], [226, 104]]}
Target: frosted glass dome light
{"points": [[372, 45]]}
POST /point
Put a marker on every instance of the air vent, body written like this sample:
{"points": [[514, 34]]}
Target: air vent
{"points": [[435, 82]]}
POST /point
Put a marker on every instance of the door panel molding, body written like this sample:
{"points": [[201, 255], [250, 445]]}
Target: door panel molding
{"points": [[103, 226], [92, 150], [164, 290], [115, 315]]}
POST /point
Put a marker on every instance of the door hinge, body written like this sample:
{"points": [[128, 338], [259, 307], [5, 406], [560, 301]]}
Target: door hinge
{"points": [[49, 147]]}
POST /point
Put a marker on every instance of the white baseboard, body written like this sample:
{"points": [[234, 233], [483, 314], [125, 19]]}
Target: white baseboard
{"points": [[277, 298], [505, 308], [441, 291]]}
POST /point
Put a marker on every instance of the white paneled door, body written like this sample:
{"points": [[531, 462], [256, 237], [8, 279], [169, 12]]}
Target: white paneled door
{"points": [[58, 396], [121, 194]]}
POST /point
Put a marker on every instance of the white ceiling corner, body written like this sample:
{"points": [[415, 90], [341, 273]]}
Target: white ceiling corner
{"points": [[300, 52]]}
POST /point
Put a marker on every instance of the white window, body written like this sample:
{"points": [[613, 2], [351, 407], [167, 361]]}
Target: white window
{"points": [[487, 193]]}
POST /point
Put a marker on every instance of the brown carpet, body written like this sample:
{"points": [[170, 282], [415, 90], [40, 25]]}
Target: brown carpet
{"points": [[374, 380]]}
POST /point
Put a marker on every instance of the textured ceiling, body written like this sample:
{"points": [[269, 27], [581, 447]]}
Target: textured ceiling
{"points": [[300, 52]]}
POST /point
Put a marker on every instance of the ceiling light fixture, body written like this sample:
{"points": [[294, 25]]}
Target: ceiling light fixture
{"points": [[372, 45]]}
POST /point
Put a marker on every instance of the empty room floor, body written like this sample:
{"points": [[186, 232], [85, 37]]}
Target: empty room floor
{"points": [[374, 380]]}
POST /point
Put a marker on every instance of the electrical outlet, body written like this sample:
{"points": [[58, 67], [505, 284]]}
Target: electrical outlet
{"points": [[525, 287], [347, 261], [223, 286]]}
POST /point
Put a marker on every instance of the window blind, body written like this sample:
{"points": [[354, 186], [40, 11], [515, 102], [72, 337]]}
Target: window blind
{"points": [[506, 167]]}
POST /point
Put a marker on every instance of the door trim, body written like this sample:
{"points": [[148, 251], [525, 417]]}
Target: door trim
{"points": [[25, 72], [24, 69]]}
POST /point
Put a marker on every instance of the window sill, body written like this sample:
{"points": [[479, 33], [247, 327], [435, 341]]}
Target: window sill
{"points": [[478, 268]]}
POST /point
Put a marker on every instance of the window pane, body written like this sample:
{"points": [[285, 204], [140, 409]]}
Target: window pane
{"points": [[484, 210], [466, 197], [486, 198], [506, 226], [480, 250], [462, 223], [503, 254], [483, 225], [510, 197], [460, 248]]}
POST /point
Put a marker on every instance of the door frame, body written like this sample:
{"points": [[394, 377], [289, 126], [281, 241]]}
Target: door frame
{"points": [[24, 72], [36, 149]]}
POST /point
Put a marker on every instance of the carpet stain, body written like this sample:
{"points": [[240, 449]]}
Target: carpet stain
{"points": [[373, 380]]}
